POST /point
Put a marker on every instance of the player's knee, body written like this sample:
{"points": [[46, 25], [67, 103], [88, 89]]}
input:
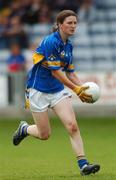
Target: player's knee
{"points": [[44, 135], [72, 128]]}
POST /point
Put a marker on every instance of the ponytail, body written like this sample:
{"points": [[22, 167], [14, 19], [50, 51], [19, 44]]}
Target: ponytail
{"points": [[55, 27]]}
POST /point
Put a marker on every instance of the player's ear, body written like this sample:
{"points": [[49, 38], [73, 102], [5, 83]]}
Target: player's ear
{"points": [[60, 25]]}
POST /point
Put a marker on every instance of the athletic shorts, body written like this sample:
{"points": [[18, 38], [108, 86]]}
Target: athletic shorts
{"points": [[39, 102]]}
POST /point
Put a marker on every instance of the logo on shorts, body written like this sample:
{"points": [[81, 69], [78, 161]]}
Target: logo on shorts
{"points": [[65, 94]]}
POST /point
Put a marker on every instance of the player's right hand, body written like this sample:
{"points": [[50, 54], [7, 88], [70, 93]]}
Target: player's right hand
{"points": [[84, 97]]}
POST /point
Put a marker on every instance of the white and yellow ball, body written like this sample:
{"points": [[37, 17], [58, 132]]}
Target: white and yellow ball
{"points": [[93, 90]]}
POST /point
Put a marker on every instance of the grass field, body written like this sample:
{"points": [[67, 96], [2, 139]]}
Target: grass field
{"points": [[54, 159]]}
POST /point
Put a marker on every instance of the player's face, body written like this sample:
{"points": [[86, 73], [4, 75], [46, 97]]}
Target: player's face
{"points": [[69, 25]]}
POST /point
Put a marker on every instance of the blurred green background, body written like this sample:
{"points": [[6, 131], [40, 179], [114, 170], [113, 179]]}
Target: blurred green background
{"points": [[54, 159]]}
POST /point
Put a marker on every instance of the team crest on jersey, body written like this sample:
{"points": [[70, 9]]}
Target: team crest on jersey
{"points": [[51, 57], [62, 54]]}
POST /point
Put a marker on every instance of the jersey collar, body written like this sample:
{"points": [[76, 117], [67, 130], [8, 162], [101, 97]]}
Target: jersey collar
{"points": [[58, 36]]}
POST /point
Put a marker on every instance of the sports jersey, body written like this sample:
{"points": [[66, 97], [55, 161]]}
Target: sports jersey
{"points": [[52, 54]]}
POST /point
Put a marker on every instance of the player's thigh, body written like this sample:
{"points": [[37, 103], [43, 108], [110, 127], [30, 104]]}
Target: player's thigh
{"points": [[65, 112], [41, 119]]}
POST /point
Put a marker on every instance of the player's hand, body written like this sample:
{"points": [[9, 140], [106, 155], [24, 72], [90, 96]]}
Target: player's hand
{"points": [[80, 91], [85, 97]]}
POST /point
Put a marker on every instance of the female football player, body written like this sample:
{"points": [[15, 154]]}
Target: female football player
{"points": [[52, 72]]}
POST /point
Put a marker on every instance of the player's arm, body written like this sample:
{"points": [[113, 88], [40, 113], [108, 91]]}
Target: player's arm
{"points": [[73, 78], [79, 90], [58, 74]]}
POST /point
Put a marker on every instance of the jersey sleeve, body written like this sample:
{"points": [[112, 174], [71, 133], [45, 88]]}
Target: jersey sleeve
{"points": [[37, 58], [70, 68]]}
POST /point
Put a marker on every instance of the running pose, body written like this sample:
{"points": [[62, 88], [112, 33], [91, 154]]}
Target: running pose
{"points": [[52, 72]]}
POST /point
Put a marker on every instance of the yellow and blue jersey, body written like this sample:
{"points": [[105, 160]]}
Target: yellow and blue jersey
{"points": [[52, 54]]}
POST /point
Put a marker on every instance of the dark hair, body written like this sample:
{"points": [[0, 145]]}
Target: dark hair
{"points": [[61, 17]]}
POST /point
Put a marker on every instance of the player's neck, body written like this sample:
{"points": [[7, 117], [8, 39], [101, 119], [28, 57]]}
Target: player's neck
{"points": [[64, 37]]}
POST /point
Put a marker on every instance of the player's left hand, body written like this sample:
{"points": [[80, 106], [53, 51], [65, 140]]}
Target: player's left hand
{"points": [[80, 91], [85, 97]]}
